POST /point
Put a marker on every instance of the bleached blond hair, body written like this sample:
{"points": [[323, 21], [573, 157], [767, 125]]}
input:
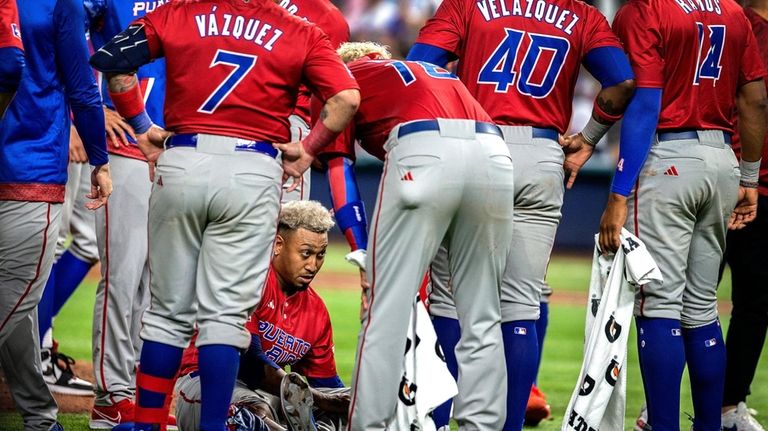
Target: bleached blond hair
{"points": [[309, 215], [351, 51]]}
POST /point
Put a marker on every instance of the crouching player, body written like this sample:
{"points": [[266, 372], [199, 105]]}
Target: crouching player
{"points": [[291, 326]]}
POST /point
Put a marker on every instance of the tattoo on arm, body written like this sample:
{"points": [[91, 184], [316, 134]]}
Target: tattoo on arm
{"points": [[122, 82], [324, 113]]}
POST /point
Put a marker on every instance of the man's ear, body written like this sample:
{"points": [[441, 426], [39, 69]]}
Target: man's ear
{"points": [[278, 248]]}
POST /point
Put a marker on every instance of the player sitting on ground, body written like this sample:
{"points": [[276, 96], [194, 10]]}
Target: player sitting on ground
{"points": [[294, 328]]}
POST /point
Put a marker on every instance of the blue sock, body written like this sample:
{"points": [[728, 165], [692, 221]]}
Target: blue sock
{"points": [[70, 272], [541, 331], [448, 334], [159, 365], [218, 371], [521, 351], [662, 360], [45, 306], [705, 353]]}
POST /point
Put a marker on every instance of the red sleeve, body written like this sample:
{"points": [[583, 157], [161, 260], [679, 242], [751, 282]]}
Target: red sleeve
{"points": [[10, 32], [600, 32], [336, 27], [324, 73], [154, 23], [752, 67], [319, 362], [638, 29], [446, 29]]}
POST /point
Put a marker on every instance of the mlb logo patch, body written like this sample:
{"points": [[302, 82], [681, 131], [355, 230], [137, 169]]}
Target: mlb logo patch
{"points": [[675, 332], [15, 31], [520, 331], [711, 342]]}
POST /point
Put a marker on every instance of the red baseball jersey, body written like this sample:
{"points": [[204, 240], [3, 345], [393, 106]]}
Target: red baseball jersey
{"points": [[294, 330], [520, 58], [394, 92], [234, 68], [10, 32], [760, 29], [331, 21], [699, 53]]}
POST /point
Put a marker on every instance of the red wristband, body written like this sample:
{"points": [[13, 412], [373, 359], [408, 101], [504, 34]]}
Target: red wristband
{"points": [[319, 137], [605, 117], [128, 103]]}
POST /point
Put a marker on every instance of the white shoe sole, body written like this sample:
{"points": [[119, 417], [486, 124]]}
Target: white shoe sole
{"points": [[100, 424], [64, 390]]}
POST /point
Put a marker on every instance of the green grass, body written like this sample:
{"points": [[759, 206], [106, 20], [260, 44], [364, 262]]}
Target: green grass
{"points": [[562, 353]]}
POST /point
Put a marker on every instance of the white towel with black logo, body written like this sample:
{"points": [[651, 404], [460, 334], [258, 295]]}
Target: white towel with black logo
{"points": [[599, 399]]}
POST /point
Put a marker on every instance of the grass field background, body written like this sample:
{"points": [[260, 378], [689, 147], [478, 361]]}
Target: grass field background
{"points": [[562, 351]]}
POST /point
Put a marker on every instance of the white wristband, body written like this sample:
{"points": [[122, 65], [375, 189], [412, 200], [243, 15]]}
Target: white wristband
{"points": [[594, 131], [750, 171]]}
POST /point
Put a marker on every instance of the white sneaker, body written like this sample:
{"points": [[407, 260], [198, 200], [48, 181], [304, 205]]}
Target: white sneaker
{"points": [[740, 419], [58, 374], [641, 424]]}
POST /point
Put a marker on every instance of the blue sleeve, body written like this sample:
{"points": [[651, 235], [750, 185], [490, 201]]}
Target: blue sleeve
{"points": [[78, 79], [430, 54], [637, 130], [328, 382], [11, 67], [348, 207], [252, 362], [609, 65]]}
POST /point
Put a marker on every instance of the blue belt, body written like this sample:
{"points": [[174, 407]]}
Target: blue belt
{"points": [[433, 126], [538, 132], [687, 134], [190, 140]]}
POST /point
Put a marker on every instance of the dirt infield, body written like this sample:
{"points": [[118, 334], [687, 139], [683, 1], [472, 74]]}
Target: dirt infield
{"points": [[325, 280]]}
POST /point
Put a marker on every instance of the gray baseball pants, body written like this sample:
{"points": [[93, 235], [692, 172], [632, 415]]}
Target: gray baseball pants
{"points": [[28, 232], [538, 199], [299, 131], [76, 219], [680, 209], [456, 185], [212, 221], [123, 291], [189, 396]]}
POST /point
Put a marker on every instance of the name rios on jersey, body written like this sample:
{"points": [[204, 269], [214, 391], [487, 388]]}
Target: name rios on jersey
{"points": [[540, 10], [237, 27], [287, 348]]}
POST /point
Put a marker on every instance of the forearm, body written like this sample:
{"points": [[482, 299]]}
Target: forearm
{"points": [[752, 107], [637, 132], [89, 122], [125, 92], [610, 66], [347, 205], [334, 117]]}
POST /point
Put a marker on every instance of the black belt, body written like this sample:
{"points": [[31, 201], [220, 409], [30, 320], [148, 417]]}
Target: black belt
{"points": [[434, 125], [687, 134], [190, 140]]}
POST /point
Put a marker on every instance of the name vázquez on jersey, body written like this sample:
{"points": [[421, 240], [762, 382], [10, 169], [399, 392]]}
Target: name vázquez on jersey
{"points": [[540, 10], [237, 27]]}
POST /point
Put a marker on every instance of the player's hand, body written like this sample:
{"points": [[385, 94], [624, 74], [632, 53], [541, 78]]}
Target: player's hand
{"points": [[365, 288], [117, 128], [101, 187], [77, 153], [295, 162], [331, 403], [151, 145], [613, 219], [577, 151], [746, 208]]}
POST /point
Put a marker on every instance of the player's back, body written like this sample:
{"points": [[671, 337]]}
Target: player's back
{"points": [[520, 58], [394, 92], [697, 52], [38, 119], [233, 68]]}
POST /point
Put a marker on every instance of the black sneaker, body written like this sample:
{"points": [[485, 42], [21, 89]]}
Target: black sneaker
{"points": [[58, 374]]}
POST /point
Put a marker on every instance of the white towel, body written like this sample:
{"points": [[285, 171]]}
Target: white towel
{"points": [[426, 383], [599, 399]]}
